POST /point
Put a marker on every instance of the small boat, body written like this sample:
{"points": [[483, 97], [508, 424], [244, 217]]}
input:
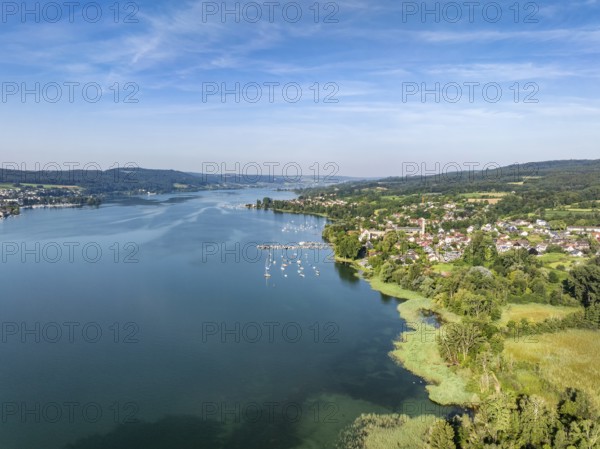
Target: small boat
{"points": [[268, 267]]}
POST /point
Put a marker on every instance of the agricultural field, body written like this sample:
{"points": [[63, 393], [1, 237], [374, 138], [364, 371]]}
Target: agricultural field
{"points": [[557, 214], [481, 195], [45, 186], [489, 197], [484, 197], [484, 200]]}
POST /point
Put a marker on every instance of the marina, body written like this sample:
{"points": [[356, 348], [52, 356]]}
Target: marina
{"points": [[287, 262], [294, 246]]}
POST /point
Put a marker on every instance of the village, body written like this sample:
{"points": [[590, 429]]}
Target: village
{"points": [[444, 235], [439, 245], [15, 197]]}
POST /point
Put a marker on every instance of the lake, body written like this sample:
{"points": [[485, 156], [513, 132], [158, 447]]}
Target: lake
{"points": [[149, 323]]}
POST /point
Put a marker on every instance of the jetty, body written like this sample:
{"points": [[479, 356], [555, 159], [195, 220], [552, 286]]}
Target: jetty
{"points": [[295, 246]]}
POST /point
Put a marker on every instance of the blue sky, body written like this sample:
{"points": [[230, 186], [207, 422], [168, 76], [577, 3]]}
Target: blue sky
{"points": [[370, 56]]}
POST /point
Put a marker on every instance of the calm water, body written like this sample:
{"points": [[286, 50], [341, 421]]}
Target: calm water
{"points": [[172, 337]]}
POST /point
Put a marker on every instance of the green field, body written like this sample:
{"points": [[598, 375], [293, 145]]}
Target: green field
{"points": [[558, 361], [554, 214], [535, 312], [481, 195], [441, 267], [45, 186], [391, 197], [552, 260]]}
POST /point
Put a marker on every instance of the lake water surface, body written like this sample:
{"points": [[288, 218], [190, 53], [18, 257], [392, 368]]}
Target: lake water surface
{"points": [[149, 323]]}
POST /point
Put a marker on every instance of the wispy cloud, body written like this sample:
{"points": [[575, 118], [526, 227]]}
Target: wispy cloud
{"points": [[369, 52]]}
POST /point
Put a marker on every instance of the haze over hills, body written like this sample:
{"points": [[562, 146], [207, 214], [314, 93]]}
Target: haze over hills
{"points": [[581, 176], [130, 179]]}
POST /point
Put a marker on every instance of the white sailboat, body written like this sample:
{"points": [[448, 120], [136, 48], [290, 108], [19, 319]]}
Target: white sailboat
{"points": [[268, 266]]}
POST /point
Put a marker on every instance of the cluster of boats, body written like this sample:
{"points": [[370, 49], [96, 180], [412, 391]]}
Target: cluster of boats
{"points": [[295, 228], [293, 258], [286, 264]]}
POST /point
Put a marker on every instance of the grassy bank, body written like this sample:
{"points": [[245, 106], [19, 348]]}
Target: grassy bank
{"points": [[417, 350], [395, 290], [372, 431], [412, 434]]}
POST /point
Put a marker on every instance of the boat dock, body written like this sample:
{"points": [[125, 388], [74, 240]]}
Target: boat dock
{"points": [[294, 246]]}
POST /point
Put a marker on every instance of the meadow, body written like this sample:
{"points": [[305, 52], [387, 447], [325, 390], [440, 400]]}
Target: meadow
{"points": [[549, 363], [535, 312]]}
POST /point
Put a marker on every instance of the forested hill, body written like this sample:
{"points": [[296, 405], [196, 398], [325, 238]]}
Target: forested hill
{"points": [[567, 175], [131, 179], [527, 187]]}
